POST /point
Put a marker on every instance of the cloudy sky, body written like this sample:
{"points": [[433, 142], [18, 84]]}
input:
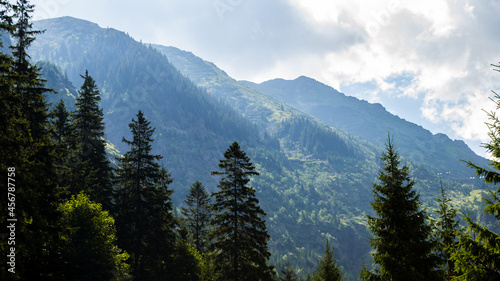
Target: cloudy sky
{"points": [[427, 61]]}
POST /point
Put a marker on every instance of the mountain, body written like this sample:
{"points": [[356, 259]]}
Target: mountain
{"points": [[130, 77], [372, 122], [315, 179]]}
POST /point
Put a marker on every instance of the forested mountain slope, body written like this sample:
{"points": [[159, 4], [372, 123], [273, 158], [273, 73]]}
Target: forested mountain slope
{"points": [[372, 122], [315, 179]]}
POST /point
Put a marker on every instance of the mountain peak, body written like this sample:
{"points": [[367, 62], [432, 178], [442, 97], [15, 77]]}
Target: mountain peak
{"points": [[68, 20]]}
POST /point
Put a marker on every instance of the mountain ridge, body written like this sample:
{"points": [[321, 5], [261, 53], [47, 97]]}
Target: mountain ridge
{"points": [[315, 179], [332, 107]]}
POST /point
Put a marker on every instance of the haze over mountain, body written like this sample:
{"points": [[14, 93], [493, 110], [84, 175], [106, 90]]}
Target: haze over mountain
{"points": [[316, 149], [371, 122]]}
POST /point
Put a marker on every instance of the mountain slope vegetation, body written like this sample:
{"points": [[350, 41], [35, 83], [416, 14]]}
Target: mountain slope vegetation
{"points": [[315, 179]]}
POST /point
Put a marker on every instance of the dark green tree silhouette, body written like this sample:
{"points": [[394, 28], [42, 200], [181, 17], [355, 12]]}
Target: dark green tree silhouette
{"points": [[27, 151], [446, 228], [61, 123], [197, 215], [91, 170], [144, 212], [328, 269], [239, 230], [403, 248]]}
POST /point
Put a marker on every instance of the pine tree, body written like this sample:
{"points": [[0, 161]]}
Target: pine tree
{"points": [[328, 270], [446, 228], [239, 230], [197, 215], [477, 253], [144, 212], [403, 249], [91, 169]]}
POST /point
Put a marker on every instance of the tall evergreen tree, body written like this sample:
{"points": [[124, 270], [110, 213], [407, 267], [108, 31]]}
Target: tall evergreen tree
{"points": [[477, 253], [29, 155], [197, 215], [144, 212], [403, 248], [60, 120], [239, 230], [327, 269], [61, 134], [91, 168], [446, 228]]}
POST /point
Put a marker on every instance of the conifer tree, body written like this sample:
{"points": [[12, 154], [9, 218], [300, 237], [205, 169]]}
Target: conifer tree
{"points": [[29, 152], [446, 228], [239, 230], [403, 248], [144, 212], [61, 131], [91, 169], [60, 121], [327, 269], [477, 253], [197, 215]]}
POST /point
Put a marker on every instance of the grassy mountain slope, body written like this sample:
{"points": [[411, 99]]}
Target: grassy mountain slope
{"points": [[315, 180]]}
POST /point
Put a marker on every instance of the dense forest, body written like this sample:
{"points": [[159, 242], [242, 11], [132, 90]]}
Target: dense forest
{"points": [[78, 208]]}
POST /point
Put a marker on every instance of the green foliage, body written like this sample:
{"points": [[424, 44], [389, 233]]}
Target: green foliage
{"points": [[89, 249], [239, 230], [197, 216], [446, 228], [27, 153], [477, 254], [402, 243], [91, 167], [187, 262], [311, 138], [328, 269], [310, 193], [288, 273], [143, 208]]}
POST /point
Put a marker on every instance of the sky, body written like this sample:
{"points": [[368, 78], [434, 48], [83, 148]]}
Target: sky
{"points": [[426, 61]]}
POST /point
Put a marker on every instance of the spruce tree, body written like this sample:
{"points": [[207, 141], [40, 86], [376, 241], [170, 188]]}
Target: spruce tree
{"points": [[28, 152], [61, 128], [144, 212], [239, 230], [61, 124], [327, 269], [446, 228], [197, 215], [91, 169], [403, 248], [477, 253]]}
